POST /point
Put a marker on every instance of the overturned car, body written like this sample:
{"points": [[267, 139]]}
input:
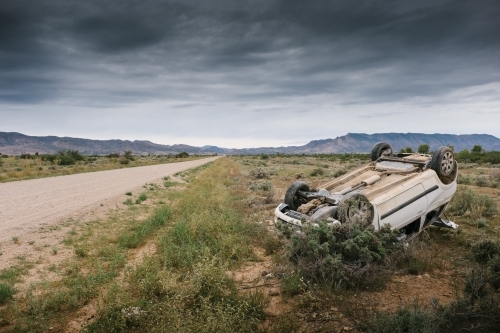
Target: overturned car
{"points": [[407, 191]]}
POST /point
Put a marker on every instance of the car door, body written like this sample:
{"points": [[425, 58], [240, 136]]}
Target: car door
{"points": [[403, 208]]}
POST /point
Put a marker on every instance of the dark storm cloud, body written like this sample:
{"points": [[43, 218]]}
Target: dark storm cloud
{"points": [[107, 52]]}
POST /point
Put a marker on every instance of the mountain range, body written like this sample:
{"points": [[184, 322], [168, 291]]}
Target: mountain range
{"points": [[12, 143]]}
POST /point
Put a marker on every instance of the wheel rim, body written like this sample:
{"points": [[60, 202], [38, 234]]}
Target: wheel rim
{"points": [[447, 162]]}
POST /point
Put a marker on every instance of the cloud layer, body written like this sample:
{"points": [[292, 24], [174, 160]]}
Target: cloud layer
{"points": [[280, 71]]}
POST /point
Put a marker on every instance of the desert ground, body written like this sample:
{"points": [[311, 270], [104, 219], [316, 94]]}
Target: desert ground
{"points": [[198, 252]]}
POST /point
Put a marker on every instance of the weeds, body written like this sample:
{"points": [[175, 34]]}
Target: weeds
{"points": [[6, 292], [346, 255], [185, 286], [142, 197], [478, 205], [136, 236]]}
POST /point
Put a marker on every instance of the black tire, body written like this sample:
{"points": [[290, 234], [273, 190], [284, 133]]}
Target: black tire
{"points": [[380, 148], [443, 161], [356, 208], [291, 198]]}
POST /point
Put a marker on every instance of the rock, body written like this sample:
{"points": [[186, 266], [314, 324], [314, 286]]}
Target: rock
{"points": [[426, 275], [274, 292]]}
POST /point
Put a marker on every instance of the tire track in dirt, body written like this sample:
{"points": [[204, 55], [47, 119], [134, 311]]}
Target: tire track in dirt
{"points": [[27, 204]]}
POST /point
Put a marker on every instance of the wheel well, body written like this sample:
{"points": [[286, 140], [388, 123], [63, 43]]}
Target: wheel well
{"points": [[412, 227]]}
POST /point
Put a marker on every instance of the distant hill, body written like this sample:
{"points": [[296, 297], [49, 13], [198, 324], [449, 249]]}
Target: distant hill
{"points": [[16, 143]]}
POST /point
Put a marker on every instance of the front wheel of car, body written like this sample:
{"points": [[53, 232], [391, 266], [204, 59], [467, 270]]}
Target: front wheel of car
{"points": [[443, 161], [292, 199], [379, 149]]}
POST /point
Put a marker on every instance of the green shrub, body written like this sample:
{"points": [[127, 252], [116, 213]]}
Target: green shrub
{"points": [[334, 255], [416, 320], [485, 250], [6, 292], [262, 186], [463, 179], [142, 197], [465, 200], [259, 173], [123, 160], [128, 155], [481, 181], [317, 172], [339, 173], [494, 271]]}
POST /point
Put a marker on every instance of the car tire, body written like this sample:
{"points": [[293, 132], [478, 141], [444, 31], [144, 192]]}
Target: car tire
{"points": [[291, 198], [378, 149], [356, 208], [443, 161]]}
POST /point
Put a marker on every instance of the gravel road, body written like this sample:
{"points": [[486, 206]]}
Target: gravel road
{"points": [[25, 205]]}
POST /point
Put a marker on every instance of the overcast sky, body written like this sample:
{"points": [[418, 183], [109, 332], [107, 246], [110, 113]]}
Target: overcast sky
{"points": [[254, 73]]}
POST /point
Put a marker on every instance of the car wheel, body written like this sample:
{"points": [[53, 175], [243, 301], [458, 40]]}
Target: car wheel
{"points": [[356, 208], [443, 161], [291, 198], [379, 149]]}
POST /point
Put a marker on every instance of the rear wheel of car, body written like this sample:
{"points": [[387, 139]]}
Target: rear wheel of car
{"points": [[379, 149], [292, 199], [356, 208], [443, 161]]}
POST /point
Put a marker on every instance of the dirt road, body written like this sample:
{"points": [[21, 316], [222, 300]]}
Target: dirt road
{"points": [[25, 205]]}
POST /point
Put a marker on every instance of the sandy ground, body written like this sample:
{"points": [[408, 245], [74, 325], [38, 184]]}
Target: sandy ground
{"points": [[26, 205]]}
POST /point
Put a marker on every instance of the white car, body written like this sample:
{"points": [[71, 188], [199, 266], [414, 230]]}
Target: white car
{"points": [[407, 191]]}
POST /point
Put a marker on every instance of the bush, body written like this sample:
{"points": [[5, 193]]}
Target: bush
{"points": [[335, 255], [182, 155], [262, 186], [467, 201], [259, 173], [128, 155], [463, 179], [405, 320], [481, 181], [339, 173], [65, 157], [485, 250], [317, 172], [142, 197], [494, 271], [6, 293], [123, 160]]}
